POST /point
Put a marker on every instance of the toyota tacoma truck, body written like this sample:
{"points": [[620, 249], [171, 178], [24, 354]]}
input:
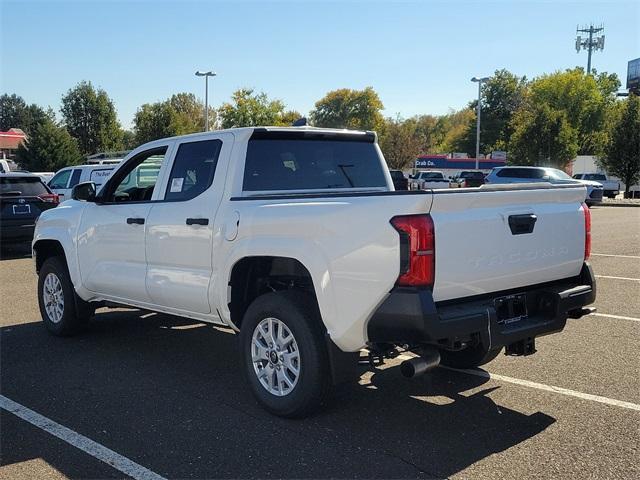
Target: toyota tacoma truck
{"points": [[295, 239]]}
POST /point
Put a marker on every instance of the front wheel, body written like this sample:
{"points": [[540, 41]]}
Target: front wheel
{"points": [[470, 357], [63, 313], [284, 353]]}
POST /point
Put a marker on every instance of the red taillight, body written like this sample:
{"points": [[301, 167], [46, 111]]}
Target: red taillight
{"points": [[49, 198], [587, 231], [417, 250]]}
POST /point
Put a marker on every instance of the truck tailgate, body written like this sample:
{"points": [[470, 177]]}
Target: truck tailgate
{"points": [[483, 244]]}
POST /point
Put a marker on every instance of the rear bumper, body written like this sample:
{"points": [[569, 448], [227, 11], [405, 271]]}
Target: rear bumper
{"points": [[595, 196], [411, 316], [16, 233]]}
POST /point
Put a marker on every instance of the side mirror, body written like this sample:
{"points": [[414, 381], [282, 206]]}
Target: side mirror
{"points": [[85, 192]]}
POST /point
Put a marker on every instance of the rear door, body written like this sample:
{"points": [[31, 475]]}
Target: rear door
{"points": [[179, 241], [483, 242]]}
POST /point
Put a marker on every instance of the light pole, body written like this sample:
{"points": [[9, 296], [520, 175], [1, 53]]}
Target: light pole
{"points": [[479, 81], [206, 76]]}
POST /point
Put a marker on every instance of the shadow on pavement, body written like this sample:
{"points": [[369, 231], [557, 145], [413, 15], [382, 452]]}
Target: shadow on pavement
{"points": [[168, 394]]}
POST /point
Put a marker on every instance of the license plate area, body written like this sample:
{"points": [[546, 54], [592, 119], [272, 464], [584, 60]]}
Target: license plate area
{"points": [[22, 209], [511, 309]]}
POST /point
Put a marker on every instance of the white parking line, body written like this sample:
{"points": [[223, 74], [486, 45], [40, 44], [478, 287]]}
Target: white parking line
{"points": [[540, 386], [619, 278], [618, 317], [610, 255], [551, 388], [108, 456]]}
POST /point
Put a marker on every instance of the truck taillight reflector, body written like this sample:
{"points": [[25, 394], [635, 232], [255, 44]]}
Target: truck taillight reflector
{"points": [[587, 231], [417, 250]]}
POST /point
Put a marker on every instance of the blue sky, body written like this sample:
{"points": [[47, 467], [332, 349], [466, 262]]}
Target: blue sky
{"points": [[419, 56]]}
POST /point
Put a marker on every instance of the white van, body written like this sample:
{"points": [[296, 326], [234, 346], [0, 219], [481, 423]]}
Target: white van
{"points": [[66, 178]]}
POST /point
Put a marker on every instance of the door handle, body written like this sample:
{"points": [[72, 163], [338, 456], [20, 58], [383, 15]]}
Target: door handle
{"points": [[197, 221], [137, 221], [522, 224]]}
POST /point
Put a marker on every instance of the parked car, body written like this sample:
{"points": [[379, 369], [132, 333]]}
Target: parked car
{"points": [[294, 238], [400, 182], [467, 179], [544, 174], [23, 197], [66, 178], [611, 187], [429, 180]]}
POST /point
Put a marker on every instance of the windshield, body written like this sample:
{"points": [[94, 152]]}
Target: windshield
{"points": [[471, 175], [557, 174], [431, 175], [594, 176]]}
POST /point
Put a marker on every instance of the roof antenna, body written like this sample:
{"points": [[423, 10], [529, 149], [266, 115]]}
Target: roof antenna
{"points": [[301, 122]]}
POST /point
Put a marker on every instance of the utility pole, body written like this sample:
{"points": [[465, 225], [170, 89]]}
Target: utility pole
{"points": [[479, 81], [589, 44]]}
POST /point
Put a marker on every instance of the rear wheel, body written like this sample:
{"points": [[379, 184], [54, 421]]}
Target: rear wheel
{"points": [[284, 353], [63, 313], [470, 357]]}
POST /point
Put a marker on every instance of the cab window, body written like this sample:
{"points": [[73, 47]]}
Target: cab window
{"points": [[75, 178], [136, 181], [193, 169], [60, 179]]}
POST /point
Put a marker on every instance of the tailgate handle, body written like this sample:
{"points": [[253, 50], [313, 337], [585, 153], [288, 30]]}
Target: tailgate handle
{"points": [[521, 224]]}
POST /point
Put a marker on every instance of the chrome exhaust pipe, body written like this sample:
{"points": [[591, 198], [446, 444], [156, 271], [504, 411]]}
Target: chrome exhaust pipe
{"points": [[428, 360]]}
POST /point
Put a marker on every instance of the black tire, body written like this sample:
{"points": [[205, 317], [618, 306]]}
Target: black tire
{"points": [[299, 313], [75, 311], [470, 357]]}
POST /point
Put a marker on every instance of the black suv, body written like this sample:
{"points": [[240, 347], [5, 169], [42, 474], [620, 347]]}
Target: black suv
{"points": [[23, 197], [400, 182]]}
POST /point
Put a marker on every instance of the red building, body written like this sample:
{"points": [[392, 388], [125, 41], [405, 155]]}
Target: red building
{"points": [[10, 141]]}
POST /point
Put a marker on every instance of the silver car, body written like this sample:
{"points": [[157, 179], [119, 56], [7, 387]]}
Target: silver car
{"points": [[544, 174]]}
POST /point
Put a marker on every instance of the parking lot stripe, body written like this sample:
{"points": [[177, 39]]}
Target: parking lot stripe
{"points": [[619, 317], [619, 278], [539, 386], [611, 255], [108, 456], [550, 388]]}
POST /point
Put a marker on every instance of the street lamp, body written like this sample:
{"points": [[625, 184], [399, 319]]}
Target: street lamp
{"points": [[206, 76], [479, 81]]}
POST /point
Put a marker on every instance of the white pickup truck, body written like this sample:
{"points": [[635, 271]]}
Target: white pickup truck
{"points": [[295, 238], [611, 187], [428, 180]]}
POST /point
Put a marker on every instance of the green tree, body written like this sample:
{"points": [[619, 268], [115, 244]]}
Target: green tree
{"points": [[400, 142], [622, 153], [248, 108], [346, 108], [179, 115], [49, 147], [542, 135], [450, 129], [584, 99], [90, 116], [129, 141], [501, 97], [15, 113]]}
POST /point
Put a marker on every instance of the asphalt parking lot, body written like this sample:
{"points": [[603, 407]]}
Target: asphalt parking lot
{"points": [[167, 394]]}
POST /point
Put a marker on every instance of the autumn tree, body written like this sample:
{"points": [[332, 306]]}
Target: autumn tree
{"points": [[346, 108]]}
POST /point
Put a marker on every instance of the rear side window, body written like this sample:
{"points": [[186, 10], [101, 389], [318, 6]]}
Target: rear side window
{"points": [[24, 187], [193, 169], [521, 173], [306, 164], [75, 178]]}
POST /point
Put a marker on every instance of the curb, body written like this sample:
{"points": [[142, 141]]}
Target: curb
{"points": [[612, 204]]}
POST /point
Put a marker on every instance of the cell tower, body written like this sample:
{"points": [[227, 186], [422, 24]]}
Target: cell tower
{"points": [[591, 43]]}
